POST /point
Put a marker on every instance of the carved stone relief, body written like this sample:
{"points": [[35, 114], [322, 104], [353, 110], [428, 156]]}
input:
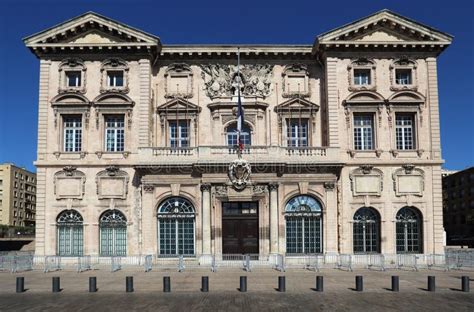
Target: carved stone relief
{"points": [[222, 80]]}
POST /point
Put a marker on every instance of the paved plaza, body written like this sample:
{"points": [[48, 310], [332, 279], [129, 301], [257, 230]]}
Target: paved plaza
{"points": [[223, 295]]}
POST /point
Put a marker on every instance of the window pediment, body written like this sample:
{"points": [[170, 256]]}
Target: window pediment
{"points": [[364, 97], [297, 105], [70, 99], [406, 97], [113, 99], [178, 105]]}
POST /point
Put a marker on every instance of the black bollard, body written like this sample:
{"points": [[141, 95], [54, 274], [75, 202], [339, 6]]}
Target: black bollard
{"points": [[395, 283], [56, 284], [281, 284], [129, 284], [431, 283], [166, 284], [319, 283], [205, 284], [243, 284], [359, 283], [20, 284], [93, 284], [465, 283]]}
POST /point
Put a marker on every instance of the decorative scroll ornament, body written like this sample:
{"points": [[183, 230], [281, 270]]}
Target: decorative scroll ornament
{"points": [[239, 173], [222, 80]]}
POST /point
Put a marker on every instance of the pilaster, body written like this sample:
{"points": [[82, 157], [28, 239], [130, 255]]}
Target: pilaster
{"points": [[332, 102], [45, 66], [144, 103], [273, 188], [206, 218]]}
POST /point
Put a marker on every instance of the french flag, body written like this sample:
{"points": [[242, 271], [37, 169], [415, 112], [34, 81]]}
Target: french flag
{"points": [[240, 121]]}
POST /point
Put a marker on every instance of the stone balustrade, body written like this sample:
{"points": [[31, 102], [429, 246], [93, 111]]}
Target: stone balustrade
{"points": [[225, 154]]}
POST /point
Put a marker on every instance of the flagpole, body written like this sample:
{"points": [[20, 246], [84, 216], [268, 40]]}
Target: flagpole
{"points": [[239, 122]]}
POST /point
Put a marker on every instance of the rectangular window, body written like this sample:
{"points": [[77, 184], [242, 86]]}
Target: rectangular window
{"points": [[361, 77], [72, 126], [403, 76], [114, 133], [179, 134], [73, 79], [115, 78], [364, 132], [297, 132], [405, 132]]}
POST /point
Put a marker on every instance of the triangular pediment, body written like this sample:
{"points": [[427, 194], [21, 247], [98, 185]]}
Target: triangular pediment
{"points": [[297, 104], [384, 27], [91, 29], [178, 105], [93, 37]]}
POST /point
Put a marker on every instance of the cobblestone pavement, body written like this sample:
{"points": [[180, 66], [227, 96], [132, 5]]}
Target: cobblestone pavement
{"points": [[223, 295]]}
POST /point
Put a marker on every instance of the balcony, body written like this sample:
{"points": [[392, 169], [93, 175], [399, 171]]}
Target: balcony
{"points": [[225, 154]]}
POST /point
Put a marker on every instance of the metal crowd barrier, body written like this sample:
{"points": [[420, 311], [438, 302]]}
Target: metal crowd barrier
{"points": [[407, 261], [84, 263], [148, 263], [16, 264], [279, 263], [116, 263], [345, 262], [314, 262], [52, 263], [437, 261], [376, 261]]}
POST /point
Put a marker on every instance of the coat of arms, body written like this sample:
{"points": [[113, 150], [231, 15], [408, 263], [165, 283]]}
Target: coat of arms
{"points": [[239, 173]]}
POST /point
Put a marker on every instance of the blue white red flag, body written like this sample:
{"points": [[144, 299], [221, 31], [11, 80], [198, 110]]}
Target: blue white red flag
{"points": [[240, 121]]}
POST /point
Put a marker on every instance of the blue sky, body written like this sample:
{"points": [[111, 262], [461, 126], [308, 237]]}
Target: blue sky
{"points": [[209, 22]]}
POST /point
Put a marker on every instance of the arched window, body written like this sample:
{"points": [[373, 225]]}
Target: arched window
{"points": [[113, 233], [409, 229], [232, 134], [69, 233], [176, 217], [366, 231], [303, 225]]}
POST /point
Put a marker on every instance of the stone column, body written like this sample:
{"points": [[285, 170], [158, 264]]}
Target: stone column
{"points": [[206, 218], [273, 188]]}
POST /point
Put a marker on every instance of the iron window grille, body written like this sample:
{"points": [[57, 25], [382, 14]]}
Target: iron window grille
{"points": [[113, 233], [176, 227], [408, 231], [69, 233], [366, 231], [303, 226]]}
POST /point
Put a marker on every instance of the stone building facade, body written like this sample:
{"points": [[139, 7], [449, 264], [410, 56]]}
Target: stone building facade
{"points": [[17, 196], [136, 142]]}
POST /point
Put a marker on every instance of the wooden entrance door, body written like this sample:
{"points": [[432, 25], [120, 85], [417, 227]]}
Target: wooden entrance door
{"points": [[240, 228]]}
